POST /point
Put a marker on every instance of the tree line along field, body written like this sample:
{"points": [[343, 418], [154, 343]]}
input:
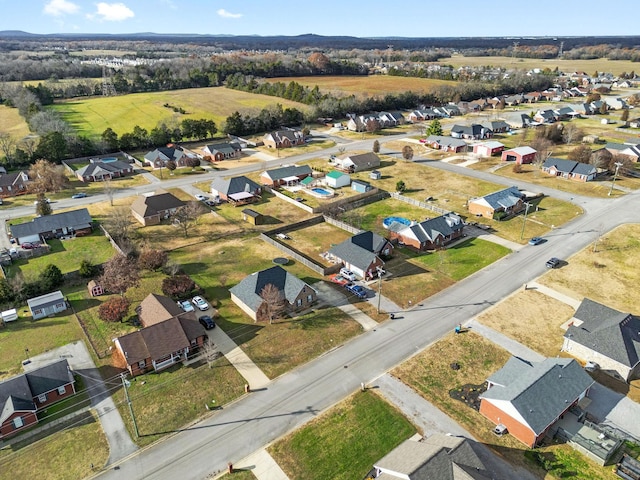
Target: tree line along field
{"points": [[588, 66], [91, 116], [366, 86]]}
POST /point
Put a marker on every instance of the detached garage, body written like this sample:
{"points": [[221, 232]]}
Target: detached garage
{"points": [[487, 149], [520, 155], [46, 305]]}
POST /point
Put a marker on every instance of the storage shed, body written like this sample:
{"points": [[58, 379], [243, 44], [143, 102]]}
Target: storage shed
{"points": [[251, 216], [46, 305], [337, 179], [360, 186]]}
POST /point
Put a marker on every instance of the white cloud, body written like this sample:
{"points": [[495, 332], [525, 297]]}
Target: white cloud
{"points": [[58, 8], [111, 12], [223, 13]]}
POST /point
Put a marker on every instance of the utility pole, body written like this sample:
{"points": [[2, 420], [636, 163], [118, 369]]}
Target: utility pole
{"points": [[125, 385], [524, 219], [618, 165], [380, 272]]}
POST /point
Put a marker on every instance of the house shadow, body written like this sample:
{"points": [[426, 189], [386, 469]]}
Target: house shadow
{"points": [[84, 304]]}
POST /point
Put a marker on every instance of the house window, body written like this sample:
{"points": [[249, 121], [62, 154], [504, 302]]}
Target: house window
{"points": [[299, 302], [18, 423], [37, 311], [62, 390], [142, 364], [194, 342], [309, 298], [42, 398]]}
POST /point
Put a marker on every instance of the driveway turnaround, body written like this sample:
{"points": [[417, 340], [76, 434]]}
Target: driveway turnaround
{"points": [[120, 444]]}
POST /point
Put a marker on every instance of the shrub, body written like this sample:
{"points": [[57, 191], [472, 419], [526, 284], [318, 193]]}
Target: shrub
{"points": [[151, 259], [114, 309], [87, 269], [178, 286]]}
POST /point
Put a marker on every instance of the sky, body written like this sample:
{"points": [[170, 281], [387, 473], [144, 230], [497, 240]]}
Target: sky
{"points": [[371, 18]]}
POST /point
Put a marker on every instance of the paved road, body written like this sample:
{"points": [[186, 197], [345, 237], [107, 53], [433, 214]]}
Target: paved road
{"points": [[300, 395]]}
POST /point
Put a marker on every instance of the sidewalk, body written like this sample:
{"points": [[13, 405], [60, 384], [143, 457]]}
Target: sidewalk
{"points": [[472, 231], [262, 465], [252, 374], [336, 299], [550, 292], [512, 346]]}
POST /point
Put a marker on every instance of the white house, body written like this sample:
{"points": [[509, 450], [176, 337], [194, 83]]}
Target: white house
{"points": [[46, 305]]}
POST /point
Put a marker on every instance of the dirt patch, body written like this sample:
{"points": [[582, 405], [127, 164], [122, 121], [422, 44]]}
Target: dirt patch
{"points": [[469, 394]]}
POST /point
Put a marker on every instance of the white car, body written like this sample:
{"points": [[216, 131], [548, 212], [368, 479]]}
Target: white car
{"points": [[186, 306], [202, 198], [200, 303], [348, 274]]}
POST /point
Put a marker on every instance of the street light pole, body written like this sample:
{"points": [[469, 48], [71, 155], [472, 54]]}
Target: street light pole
{"points": [[524, 219], [618, 165]]}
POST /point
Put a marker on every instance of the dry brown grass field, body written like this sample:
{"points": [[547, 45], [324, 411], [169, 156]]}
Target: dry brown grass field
{"points": [[588, 66], [12, 123], [367, 86]]}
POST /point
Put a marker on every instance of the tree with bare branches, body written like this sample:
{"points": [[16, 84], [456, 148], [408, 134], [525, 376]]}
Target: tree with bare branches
{"points": [[542, 146], [187, 216], [273, 303], [107, 188], [571, 133], [119, 224], [46, 177], [210, 352], [407, 152], [119, 274], [7, 146]]}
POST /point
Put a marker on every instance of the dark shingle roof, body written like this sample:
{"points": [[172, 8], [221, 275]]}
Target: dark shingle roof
{"points": [[147, 206], [541, 391], [75, 219], [250, 288], [506, 198], [428, 230], [569, 166], [49, 377], [229, 186], [103, 168], [474, 129], [360, 250], [611, 333], [289, 171], [15, 396], [446, 141]]}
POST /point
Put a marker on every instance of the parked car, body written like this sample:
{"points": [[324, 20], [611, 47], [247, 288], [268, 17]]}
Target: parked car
{"points": [[29, 245], [357, 290], [536, 241], [186, 306], [553, 262], [202, 198], [79, 195], [348, 274], [35, 202], [200, 303], [207, 322]]}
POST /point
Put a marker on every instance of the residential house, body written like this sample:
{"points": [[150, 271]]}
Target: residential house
{"points": [[336, 179], [609, 338], [390, 119], [616, 103], [448, 144], [362, 253], [357, 163], [520, 155], [488, 149], [99, 170], [47, 305], [160, 156], [358, 123], [152, 209], [12, 184], [160, 345], [284, 138], [629, 150], [581, 172], [497, 126], [76, 222], [448, 110], [422, 114], [566, 113], [471, 132], [288, 175], [546, 116], [529, 398], [532, 97], [438, 457], [510, 201], [430, 234], [239, 190], [635, 122], [157, 308], [295, 294], [223, 151], [23, 396]]}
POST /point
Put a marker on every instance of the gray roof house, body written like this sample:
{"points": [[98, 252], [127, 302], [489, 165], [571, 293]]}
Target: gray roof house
{"points": [[285, 175], [509, 201], [361, 253], [98, 171], [448, 144], [357, 163], [471, 132], [226, 188], [77, 222], [569, 169], [528, 398], [632, 151], [48, 304], [295, 293], [159, 157], [609, 338], [438, 457], [429, 234], [14, 183], [24, 395], [223, 151]]}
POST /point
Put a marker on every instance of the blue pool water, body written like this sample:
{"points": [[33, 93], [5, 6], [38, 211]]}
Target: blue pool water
{"points": [[322, 192], [386, 223], [109, 159]]}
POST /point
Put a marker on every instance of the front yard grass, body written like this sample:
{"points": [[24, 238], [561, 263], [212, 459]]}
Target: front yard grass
{"points": [[171, 400], [54, 457], [431, 375], [345, 441], [531, 318], [66, 255]]}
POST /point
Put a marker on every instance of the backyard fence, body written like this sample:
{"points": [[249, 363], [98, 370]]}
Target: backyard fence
{"points": [[418, 203]]}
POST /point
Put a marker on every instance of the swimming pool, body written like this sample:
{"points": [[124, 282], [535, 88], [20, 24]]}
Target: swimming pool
{"points": [[109, 159], [322, 192], [386, 223]]}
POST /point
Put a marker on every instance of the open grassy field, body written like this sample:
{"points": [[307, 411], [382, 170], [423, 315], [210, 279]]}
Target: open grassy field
{"points": [[367, 86], [589, 66], [93, 115], [531, 318], [56, 456], [430, 374], [12, 123], [345, 441]]}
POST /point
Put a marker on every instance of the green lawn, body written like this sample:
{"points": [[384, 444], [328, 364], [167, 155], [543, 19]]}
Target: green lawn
{"points": [[344, 442], [66, 255]]}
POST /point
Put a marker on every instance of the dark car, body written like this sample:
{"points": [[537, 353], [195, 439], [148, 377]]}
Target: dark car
{"points": [[357, 290], [207, 322], [79, 195], [29, 245], [553, 262]]}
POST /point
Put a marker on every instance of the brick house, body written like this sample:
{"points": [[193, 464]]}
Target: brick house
{"points": [[99, 171], [75, 222], [510, 201], [429, 234], [289, 175], [152, 209], [223, 151], [12, 184], [580, 172], [284, 138]]}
